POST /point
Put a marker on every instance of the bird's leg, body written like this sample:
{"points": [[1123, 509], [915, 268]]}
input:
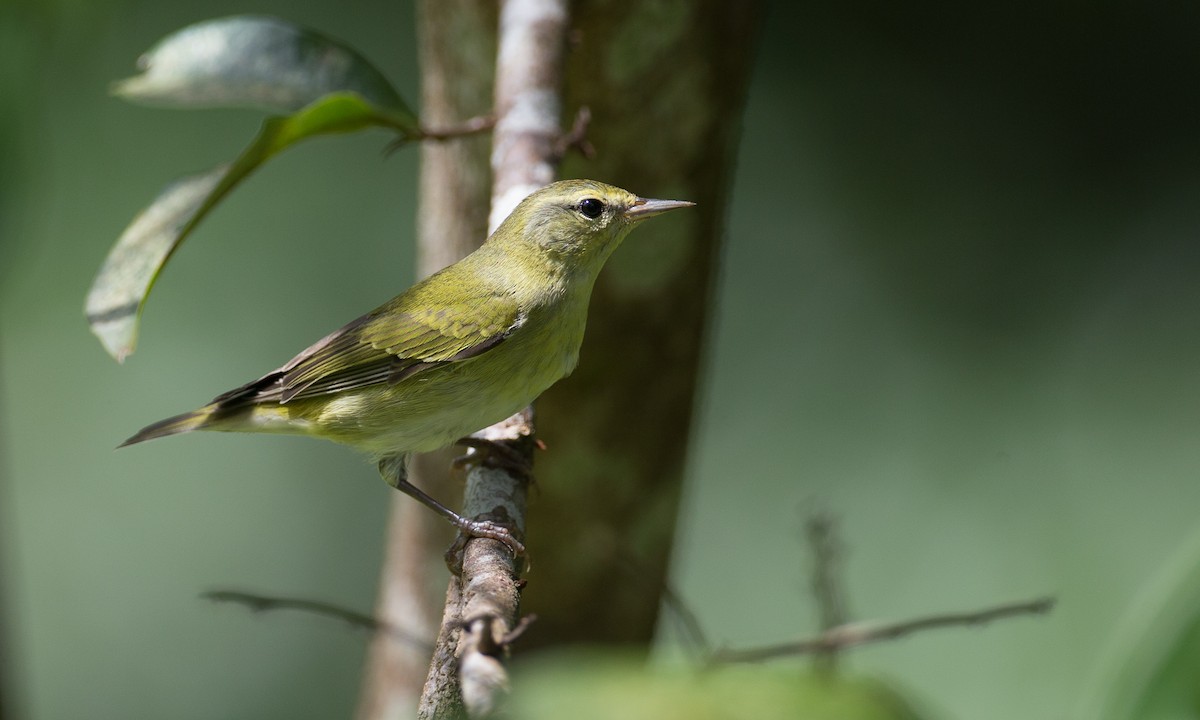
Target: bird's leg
{"points": [[395, 473]]}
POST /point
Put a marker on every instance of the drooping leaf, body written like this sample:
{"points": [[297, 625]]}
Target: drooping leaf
{"points": [[114, 302], [1152, 668], [118, 294], [256, 61]]}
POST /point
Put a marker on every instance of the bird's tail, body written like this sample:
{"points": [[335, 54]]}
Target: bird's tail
{"points": [[173, 426]]}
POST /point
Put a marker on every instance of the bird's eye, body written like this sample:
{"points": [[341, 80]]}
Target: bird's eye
{"points": [[591, 207]]}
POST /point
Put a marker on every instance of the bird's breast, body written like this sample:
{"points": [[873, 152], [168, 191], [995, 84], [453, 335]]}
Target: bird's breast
{"points": [[546, 347]]}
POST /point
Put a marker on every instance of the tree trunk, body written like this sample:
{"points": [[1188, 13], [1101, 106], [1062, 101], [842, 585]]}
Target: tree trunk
{"points": [[665, 82]]}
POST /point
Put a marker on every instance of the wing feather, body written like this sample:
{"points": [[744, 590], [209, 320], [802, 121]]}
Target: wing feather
{"points": [[408, 335], [388, 346]]}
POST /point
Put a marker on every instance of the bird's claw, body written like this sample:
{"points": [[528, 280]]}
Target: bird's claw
{"points": [[489, 529]]}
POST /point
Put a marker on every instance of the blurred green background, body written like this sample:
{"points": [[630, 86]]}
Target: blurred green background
{"points": [[958, 308]]}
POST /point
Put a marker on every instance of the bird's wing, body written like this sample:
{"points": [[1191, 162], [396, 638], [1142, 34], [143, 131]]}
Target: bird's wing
{"points": [[410, 334]]}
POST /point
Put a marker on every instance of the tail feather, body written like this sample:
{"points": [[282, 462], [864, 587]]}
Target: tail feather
{"points": [[172, 426]]}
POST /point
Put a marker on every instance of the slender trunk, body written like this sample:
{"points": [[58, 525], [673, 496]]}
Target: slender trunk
{"points": [[482, 600], [457, 52]]}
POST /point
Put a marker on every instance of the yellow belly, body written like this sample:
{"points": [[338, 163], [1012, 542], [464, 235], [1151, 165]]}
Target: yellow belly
{"points": [[433, 408]]}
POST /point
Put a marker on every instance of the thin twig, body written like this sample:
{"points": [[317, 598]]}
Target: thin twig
{"points": [[827, 587], [519, 629], [267, 603], [690, 624], [821, 529], [576, 138], [853, 634], [473, 126], [837, 634]]}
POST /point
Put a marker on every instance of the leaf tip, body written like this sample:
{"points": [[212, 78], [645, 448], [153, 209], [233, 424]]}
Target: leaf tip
{"points": [[117, 333], [126, 88]]}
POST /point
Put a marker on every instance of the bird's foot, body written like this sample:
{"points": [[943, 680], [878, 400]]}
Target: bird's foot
{"points": [[495, 455], [469, 529], [393, 470]]}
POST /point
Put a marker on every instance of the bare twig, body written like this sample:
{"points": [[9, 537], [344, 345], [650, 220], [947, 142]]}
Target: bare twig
{"points": [[692, 630], [821, 529], [830, 595], [472, 126], [576, 138], [836, 633], [519, 630], [267, 603], [852, 634]]}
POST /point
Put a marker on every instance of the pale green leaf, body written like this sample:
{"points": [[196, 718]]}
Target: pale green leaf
{"points": [[257, 61], [114, 302]]}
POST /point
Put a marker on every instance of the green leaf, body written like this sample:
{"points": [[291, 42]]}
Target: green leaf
{"points": [[1152, 669], [119, 291], [596, 686], [243, 60], [257, 61]]}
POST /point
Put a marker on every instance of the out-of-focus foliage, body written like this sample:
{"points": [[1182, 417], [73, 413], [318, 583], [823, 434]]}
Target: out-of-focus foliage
{"points": [[596, 686], [1152, 668]]}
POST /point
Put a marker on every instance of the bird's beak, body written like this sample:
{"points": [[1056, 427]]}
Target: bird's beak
{"points": [[643, 208]]}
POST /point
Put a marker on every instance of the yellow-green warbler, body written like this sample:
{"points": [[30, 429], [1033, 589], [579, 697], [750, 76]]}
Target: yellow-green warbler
{"points": [[458, 351]]}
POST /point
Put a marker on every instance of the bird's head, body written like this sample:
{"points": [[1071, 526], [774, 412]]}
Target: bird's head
{"points": [[579, 222]]}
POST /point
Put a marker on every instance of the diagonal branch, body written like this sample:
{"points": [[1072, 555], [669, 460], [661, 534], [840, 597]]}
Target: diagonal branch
{"points": [[267, 603], [852, 634]]}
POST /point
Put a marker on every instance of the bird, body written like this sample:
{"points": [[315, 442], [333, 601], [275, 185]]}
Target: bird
{"points": [[460, 350]]}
